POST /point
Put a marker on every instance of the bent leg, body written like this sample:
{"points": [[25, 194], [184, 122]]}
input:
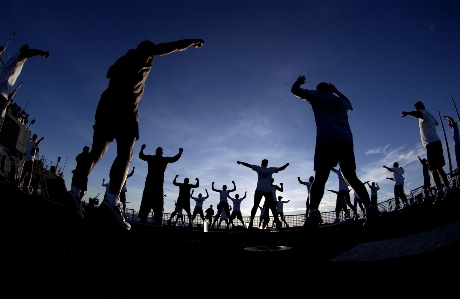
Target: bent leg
{"points": [[120, 166]]}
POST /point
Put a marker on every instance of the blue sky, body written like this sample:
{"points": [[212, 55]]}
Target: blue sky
{"points": [[231, 100]]}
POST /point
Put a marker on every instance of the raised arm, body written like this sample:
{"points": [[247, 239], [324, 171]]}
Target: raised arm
{"points": [[283, 167], [197, 183], [388, 168], [244, 195], [103, 182], [244, 164], [214, 189], [191, 194], [295, 89], [174, 181], [391, 179], [286, 201], [131, 173], [176, 157], [176, 46], [207, 194], [280, 188], [416, 114], [29, 53], [39, 140], [234, 187], [143, 156], [11, 95]]}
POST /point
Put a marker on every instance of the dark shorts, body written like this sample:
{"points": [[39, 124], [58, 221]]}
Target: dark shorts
{"points": [[435, 155], [28, 166], [329, 153]]}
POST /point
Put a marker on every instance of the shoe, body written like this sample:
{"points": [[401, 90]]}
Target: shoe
{"points": [[371, 214], [313, 220], [74, 204], [114, 215]]}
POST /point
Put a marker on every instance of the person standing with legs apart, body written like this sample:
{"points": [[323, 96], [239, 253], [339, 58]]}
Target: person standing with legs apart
{"points": [[308, 184], [223, 201], [153, 194], [434, 151], [117, 119], [236, 213], [264, 188], [455, 135], [198, 210], [374, 187], [334, 144], [27, 169], [399, 184], [426, 179], [183, 200]]}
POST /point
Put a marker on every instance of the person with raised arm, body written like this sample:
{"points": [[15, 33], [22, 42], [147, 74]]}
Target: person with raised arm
{"points": [[264, 188], [223, 201], [27, 169], [236, 213], [399, 184], [117, 119], [308, 184], [434, 151], [198, 210], [334, 144], [280, 209], [183, 200], [153, 194]]}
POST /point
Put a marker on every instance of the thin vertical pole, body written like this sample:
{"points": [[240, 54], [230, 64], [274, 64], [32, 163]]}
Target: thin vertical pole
{"points": [[456, 109]]}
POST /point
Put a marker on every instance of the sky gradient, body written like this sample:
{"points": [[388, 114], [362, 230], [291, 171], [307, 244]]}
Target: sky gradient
{"points": [[230, 100]]}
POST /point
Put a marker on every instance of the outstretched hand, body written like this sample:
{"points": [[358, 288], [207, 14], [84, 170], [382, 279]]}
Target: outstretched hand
{"points": [[238, 162], [403, 114], [143, 147], [181, 150], [46, 54], [198, 43], [300, 80]]}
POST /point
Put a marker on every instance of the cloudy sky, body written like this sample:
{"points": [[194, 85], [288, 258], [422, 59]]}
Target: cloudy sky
{"points": [[231, 99]]}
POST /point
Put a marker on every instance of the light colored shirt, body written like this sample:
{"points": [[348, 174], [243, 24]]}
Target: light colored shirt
{"points": [[427, 126], [264, 177]]}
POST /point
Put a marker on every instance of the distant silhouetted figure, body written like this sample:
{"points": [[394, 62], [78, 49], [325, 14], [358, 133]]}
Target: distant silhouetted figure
{"points": [[455, 135], [356, 202], [344, 192], [223, 200], [236, 213], [340, 205], [179, 216], [209, 213], [374, 187], [334, 144], [264, 188], [183, 200], [153, 194], [399, 184], [308, 184], [124, 190], [273, 203], [79, 159], [198, 210], [11, 71], [434, 151], [27, 169], [280, 209], [224, 217], [117, 119], [426, 178]]}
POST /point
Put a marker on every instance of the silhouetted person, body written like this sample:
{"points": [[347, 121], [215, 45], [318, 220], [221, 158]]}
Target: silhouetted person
{"points": [[124, 189], [455, 135], [334, 144], [153, 194], [80, 158], [280, 209], [224, 217], [11, 71], [117, 118], [434, 151], [236, 213], [374, 187], [340, 205], [264, 188], [399, 184], [344, 192], [426, 178], [27, 169], [209, 213], [356, 202], [223, 200], [179, 216], [198, 210], [308, 184], [262, 214], [183, 200], [273, 203]]}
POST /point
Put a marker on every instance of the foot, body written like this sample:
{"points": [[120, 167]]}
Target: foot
{"points": [[313, 220], [113, 215]]}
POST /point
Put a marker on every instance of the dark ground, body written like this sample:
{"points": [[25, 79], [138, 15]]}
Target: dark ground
{"points": [[48, 253]]}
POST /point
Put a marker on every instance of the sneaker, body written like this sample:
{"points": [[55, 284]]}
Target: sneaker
{"points": [[74, 204], [313, 220], [114, 215]]}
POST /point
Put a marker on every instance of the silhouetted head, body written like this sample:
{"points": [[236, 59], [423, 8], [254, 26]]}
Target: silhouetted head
{"points": [[424, 161], [237, 196], [186, 180], [323, 87], [280, 197], [395, 164], [86, 149], [200, 195], [312, 178], [224, 187], [210, 206], [24, 47], [264, 163], [373, 184], [419, 106], [146, 48], [34, 137], [159, 151]]}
